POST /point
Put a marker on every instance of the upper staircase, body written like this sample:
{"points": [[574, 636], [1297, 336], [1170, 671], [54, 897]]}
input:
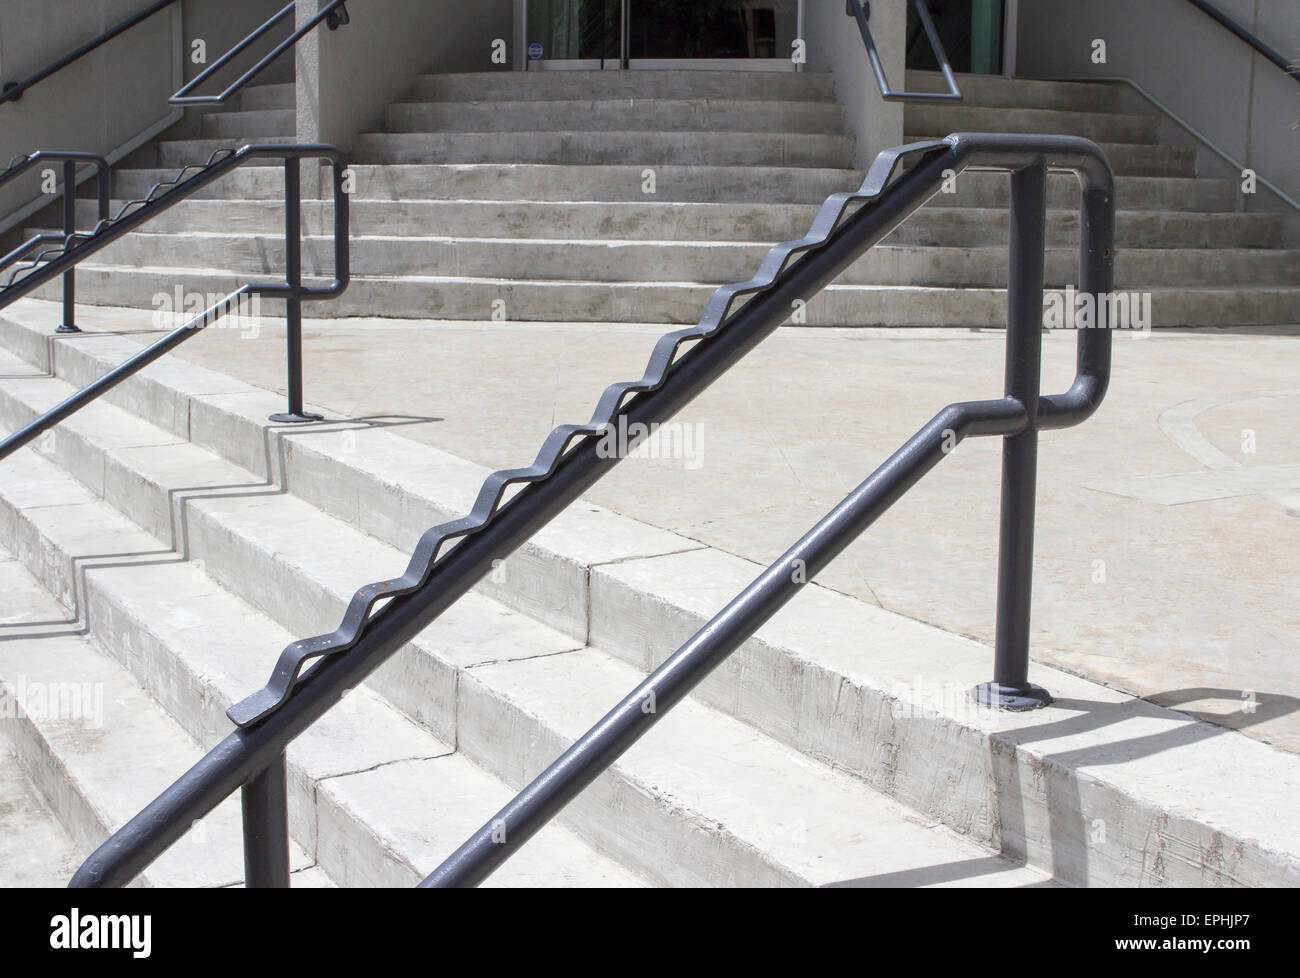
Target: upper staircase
{"points": [[628, 197]]}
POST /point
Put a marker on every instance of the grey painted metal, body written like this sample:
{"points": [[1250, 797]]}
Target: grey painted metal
{"points": [[1271, 54], [334, 16], [70, 161], [265, 804], [861, 12], [1010, 687], [13, 91], [80, 247], [1016, 417], [571, 462]]}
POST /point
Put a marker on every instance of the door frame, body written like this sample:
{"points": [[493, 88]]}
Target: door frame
{"points": [[651, 64]]}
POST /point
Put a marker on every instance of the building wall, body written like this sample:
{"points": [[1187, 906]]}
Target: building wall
{"points": [[1198, 69], [347, 77], [115, 97]]}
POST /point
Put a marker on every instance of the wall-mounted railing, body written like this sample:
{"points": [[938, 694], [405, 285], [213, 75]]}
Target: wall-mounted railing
{"points": [[14, 90], [312, 675], [860, 10], [68, 163], [1271, 54], [77, 247]]}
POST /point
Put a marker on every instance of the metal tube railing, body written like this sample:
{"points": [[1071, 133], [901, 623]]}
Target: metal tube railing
{"points": [[335, 15], [292, 289], [565, 469], [69, 162], [1016, 417], [860, 10], [1269, 53]]}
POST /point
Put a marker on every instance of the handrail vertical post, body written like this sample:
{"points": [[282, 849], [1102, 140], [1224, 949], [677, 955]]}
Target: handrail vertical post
{"points": [[265, 801], [69, 323], [293, 304], [1011, 688]]}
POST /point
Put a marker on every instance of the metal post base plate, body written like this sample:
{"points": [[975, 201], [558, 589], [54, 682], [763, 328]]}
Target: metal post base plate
{"points": [[1016, 698], [303, 418], [67, 329]]}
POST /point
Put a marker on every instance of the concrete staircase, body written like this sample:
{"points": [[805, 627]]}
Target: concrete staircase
{"points": [[159, 548], [533, 190]]}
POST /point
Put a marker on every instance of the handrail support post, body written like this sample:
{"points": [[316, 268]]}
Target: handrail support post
{"points": [[69, 322], [265, 802], [293, 304], [1010, 688]]}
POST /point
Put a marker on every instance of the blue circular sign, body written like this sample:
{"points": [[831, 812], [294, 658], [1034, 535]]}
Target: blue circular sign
{"points": [[534, 51]]}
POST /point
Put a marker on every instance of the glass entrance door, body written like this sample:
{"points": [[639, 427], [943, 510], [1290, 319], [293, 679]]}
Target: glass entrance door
{"points": [[733, 34]]}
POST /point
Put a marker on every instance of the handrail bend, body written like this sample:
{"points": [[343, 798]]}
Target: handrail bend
{"points": [[252, 757], [860, 10]]}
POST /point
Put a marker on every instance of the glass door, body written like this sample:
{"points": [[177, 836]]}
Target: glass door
{"points": [[726, 34], [730, 34], [583, 34]]}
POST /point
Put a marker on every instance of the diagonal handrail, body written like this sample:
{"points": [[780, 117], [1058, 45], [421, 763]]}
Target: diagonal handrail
{"points": [[252, 758], [13, 91], [1264, 50]]}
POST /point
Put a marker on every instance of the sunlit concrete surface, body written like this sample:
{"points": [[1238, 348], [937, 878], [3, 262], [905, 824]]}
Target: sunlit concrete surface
{"points": [[1168, 540]]}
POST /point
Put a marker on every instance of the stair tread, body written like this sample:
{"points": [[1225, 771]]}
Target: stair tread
{"points": [[35, 849], [226, 647]]}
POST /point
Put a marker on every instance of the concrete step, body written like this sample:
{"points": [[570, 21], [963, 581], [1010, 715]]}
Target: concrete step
{"points": [[1135, 159], [35, 850], [176, 153], [194, 647], [720, 184], [675, 221], [994, 90], [1179, 802], [106, 749], [601, 115], [259, 97], [556, 85], [714, 262], [430, 297], [1100, 127], [780, 818], [644, 149], [250, 125]]}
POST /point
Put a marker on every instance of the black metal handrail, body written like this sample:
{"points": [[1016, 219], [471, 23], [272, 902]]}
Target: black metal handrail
{"points": [[78, 248], [860, 10], [252, 758], [335, 15], [69, 161], [13, 91], [1210, 10]]}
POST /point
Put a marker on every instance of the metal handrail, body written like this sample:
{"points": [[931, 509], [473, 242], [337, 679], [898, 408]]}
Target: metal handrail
{"points": [[335, 15], [80, 247], [13, 91], [252, 758], [1213, 12], [861, 11], [69, 160]]}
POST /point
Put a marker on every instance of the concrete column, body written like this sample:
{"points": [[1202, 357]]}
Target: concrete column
{"points": [[835, 45]]}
